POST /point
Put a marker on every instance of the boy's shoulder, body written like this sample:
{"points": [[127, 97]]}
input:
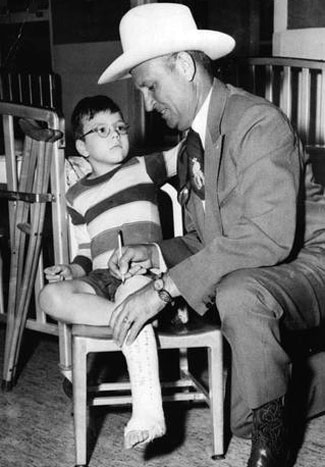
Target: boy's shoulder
{"points": [[76, 168], [76, 189]]}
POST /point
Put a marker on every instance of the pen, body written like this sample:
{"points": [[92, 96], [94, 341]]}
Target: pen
{"points": [[120, 244]]}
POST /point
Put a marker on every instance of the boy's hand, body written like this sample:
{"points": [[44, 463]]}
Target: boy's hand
{"points": [[58, 272]]}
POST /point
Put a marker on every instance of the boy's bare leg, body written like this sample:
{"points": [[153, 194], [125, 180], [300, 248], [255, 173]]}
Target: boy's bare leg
{"points": [[76, 302]]}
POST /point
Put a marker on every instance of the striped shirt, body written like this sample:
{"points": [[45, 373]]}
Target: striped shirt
{"points": [[123, 199]]}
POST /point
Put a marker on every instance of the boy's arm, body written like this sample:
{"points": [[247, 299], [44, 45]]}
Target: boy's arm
{"points": [[79, 241], [162, 166]]}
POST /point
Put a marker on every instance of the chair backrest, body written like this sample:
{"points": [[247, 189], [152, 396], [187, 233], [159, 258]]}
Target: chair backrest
{"points": [[39, 90], [297, 86], [176, 209]]}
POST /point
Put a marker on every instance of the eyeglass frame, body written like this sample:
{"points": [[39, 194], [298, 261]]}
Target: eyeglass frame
{"points": [[95, 130]]}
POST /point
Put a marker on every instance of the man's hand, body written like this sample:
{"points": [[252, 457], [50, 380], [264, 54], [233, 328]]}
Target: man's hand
{"points": [[130, 315], [135, 259]]}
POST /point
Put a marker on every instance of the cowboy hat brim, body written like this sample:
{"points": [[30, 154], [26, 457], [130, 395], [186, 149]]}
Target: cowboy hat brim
{"points": [[215, 44]]}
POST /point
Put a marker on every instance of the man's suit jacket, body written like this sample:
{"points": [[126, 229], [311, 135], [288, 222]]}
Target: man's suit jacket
{"points": [[258, 210]]}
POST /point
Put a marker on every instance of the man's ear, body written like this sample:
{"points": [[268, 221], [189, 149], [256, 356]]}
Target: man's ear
{"points": [[186, 65], [81, 148]]}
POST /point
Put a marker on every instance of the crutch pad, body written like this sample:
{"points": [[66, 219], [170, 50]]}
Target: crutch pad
{"points": [[32, 129]]}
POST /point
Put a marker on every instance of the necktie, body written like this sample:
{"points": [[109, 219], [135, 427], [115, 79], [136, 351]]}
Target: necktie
{"points": [[191, 167]]}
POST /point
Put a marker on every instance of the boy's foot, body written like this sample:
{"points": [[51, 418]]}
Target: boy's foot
{"points": [[138, 434]]}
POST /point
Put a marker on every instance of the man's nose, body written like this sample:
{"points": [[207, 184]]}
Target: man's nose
{"points": [[149, 102]]}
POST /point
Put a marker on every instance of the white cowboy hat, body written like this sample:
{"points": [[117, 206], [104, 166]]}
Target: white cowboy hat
{"points": [[155, 29]]}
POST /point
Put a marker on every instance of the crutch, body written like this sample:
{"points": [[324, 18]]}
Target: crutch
{"points": [[35, 180]]}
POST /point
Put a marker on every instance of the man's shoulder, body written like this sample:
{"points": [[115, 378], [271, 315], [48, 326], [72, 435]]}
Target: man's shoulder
{"points": [[239, 98], [242, 104]]}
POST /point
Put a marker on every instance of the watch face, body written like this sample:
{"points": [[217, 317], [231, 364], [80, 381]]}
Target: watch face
{"points": [[165, 296], [158, 284]]}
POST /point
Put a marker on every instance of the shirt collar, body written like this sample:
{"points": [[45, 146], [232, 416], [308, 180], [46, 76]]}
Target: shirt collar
{"points": [[201, 119]]}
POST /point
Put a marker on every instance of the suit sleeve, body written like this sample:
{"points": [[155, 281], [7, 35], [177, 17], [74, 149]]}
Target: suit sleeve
{"points": [[259, 213]]}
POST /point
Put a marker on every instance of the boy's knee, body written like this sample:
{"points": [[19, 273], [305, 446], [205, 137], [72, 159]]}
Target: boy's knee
{"points": [[49, 296], [43, 297]]}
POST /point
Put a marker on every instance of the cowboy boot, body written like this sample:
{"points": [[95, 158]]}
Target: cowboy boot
{"points": [[269, 436]]}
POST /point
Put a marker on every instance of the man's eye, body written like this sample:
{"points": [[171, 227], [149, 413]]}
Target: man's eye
{"points": [[151, 88]]}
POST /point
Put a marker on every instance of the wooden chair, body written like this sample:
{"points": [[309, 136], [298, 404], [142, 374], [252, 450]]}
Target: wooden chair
{"points": [[87, 339]]}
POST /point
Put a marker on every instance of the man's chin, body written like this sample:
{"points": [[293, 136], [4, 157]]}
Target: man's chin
{"points": [[170, 123]]}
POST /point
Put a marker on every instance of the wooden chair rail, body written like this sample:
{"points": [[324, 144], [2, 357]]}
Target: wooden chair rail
{"points": [[295, 85]]}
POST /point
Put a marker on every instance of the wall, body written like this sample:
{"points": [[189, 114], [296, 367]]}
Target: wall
{"points": [[85, 40], [301, 40], [79, 66]]}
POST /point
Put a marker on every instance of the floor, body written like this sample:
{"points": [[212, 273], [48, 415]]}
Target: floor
{"points": [[36, 425]]}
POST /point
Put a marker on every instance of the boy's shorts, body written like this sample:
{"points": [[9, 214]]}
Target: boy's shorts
{"points": [[102, 282]]}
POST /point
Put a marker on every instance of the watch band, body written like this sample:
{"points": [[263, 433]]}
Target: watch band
{"points": [[163, 294]]}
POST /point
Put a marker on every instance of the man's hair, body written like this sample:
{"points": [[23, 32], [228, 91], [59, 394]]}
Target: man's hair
{"points": [[199, 58], [87, 108]]}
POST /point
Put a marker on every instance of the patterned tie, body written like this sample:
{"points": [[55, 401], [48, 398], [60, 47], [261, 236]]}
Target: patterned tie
{"points": [[191, 168]]}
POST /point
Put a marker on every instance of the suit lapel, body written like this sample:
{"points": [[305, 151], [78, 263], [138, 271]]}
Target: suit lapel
{"points": [[213, 154]]}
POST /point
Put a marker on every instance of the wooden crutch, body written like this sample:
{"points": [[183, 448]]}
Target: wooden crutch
{"points": [[17, 240], [35, 180]]}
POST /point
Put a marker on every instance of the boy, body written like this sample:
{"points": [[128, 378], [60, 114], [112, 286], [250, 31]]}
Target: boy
{"points": [[120, 194]]}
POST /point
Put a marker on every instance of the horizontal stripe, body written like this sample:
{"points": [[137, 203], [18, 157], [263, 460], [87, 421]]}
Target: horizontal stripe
{"points": [[76, 218], [142, 192], [139, 211], [145, 232]]}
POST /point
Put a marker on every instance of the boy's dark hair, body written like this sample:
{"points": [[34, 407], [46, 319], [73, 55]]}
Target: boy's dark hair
{"points": [[88, 107]]}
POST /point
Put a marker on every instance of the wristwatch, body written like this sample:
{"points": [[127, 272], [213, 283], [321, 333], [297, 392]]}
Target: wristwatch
{"points": [[164, 295]]}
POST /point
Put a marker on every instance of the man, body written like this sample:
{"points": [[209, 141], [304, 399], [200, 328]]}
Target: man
{"points": [[255, 226]]}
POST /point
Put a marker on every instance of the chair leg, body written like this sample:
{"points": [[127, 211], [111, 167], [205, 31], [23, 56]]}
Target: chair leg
{"points": [[80, 399], [2, 307], [216, 389]]}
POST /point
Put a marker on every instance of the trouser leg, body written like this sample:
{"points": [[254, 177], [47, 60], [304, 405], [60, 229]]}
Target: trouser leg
{"points": [[250, 322], [255, 305]]}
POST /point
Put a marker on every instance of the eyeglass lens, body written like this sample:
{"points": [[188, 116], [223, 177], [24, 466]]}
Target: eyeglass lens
{"points": [[105, 130]]}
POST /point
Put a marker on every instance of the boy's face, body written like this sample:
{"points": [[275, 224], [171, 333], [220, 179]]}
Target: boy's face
{"points": [[104, 153]]}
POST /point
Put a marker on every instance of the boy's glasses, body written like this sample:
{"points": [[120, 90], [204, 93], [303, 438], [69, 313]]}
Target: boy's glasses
{"points": [[104, 130]]}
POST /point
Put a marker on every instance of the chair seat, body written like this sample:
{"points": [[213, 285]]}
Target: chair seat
{"points": [[192, 328]]}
